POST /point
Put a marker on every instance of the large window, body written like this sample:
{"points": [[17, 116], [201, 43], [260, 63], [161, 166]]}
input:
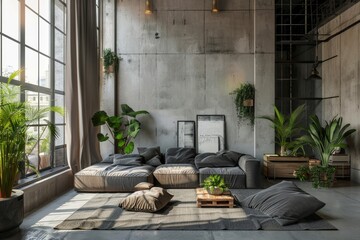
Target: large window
{"points": [[32, 37]]}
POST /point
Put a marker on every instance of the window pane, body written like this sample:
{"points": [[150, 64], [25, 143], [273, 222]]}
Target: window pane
{"points": [[59, 76], [59, 101], [59, 45], [44, 148], [10, 18], [10, 56], [97, 17], [60, 156], [45, 9], [33, 99], [31, 66], [44, 71], [33, 4], [31, 29], [44, 101], [44, 37], [60, 140], [59, 15], [31, 148]]}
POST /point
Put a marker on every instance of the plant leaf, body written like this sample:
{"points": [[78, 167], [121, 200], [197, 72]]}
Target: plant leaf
{"points": [[99, 118], [129, 148], [102, 138]]}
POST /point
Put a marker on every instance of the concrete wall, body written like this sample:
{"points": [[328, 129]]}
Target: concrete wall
{"points": [[341, 76], [183, 60]]}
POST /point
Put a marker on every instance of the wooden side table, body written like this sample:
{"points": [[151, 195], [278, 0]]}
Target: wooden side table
{"points": [[282, 166], [203, 199]]}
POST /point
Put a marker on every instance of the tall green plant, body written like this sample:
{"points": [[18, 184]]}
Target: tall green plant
{"points": [[15, 119], [324, 140], [286, 126], [246, 91], [123, 128]]}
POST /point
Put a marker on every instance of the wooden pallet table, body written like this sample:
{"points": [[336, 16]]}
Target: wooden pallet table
{"points": [[203, 199]]}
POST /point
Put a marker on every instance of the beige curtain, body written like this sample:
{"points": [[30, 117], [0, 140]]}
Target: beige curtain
{"points": [[82, 85]]}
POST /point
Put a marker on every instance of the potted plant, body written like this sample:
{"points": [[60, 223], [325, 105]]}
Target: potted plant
{"points": [[286, 127], [215, 184], [15, 120], [324, 140], [123, 128], [244, 102], [111, 61]]}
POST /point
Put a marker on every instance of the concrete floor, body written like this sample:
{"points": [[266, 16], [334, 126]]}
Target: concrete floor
{"points": [[342, 210]]}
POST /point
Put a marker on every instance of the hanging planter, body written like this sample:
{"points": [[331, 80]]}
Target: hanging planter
{"points": [[248, 103], [244, 102], [110, 61]]}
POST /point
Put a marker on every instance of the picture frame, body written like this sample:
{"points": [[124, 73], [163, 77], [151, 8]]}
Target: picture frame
{"points": [[186, 134], [210, 133]]}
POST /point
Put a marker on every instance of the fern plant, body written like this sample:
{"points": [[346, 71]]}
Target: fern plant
{"points": [[215, 181]]}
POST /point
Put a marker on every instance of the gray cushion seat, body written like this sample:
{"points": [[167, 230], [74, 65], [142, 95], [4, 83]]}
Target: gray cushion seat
{"points": [[106, 177], [234, 176], [177, 176]]}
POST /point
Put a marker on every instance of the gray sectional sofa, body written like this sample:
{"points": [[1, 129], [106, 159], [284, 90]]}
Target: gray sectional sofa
{"points": [[180, 168]]}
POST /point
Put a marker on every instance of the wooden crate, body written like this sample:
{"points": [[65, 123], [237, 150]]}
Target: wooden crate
{"points": [[203, 199], [282, 166]]}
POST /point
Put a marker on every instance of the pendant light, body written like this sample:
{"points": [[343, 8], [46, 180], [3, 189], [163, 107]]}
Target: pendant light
{"points": [[214, 8], [148, 5]]}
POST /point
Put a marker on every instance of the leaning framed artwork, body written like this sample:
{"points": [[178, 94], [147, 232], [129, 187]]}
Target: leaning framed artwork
{"points": [[186, 134], [210, 133]]}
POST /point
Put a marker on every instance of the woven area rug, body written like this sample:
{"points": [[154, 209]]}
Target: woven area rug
{"points": [[102, 212]]}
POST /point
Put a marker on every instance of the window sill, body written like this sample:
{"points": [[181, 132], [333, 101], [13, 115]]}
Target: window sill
{"points": [[43, 175]]}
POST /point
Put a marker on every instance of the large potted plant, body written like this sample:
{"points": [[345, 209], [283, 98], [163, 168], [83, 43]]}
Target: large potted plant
{"points": [[286, 127], [324, 140], [15, 120], [244, 102], [123, 128]]}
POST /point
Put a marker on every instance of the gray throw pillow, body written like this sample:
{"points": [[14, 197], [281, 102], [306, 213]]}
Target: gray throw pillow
{"points": [[129, 160], [220, 159], [147, 200], [110, 158], [152, 155], [180, 155], [284, 202]]}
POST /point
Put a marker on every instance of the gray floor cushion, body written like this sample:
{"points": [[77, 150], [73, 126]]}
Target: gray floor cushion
{"points": [[103, 177], [177, 176], [285, 202], [234, 176]]}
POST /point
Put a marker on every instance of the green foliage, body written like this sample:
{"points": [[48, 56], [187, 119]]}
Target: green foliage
{"points": [[302, 173], [123, 128], [286, 126], [215, 181], [110, 58], [324, 140], [15, 120], [320, 176], [244, 92]]}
